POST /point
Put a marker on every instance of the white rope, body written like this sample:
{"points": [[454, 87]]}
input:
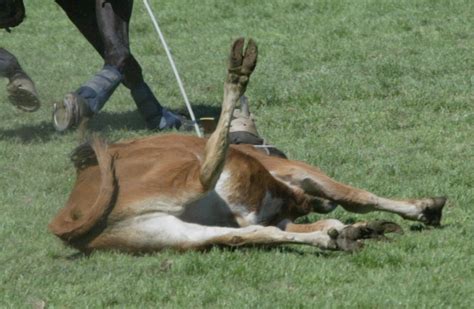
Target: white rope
{"points": [[173, 66]]}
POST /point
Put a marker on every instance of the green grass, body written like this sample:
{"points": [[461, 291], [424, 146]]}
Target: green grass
{"points": [[379, 94]]}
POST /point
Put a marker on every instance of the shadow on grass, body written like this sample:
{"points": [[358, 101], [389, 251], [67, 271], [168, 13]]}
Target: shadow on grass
{"points": [[420, 227], [289, 250], [70, 257], [105, 122], [37, 133], [202, 110], [247, 249]]}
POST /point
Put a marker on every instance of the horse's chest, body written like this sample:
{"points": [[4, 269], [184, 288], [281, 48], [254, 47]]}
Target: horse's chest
{"points": [[247, 209]]}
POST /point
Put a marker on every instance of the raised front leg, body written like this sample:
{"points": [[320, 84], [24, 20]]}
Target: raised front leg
{"points": [[241, 65]]}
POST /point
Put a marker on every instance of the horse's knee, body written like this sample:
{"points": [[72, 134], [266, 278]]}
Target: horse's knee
{"points": [[123, 60], [118, 57], [322, 206]]}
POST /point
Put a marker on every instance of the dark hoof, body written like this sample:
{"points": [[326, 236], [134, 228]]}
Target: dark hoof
{"points": [[432, 214], [242, 62], [349, 239]]}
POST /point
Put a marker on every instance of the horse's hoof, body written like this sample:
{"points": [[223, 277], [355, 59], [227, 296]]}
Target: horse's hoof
{"points": [[22, 94], [349, 239], [431, 214], [70, 113]]}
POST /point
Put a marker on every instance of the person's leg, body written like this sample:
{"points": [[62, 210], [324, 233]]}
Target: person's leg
{"points": [[21, 89]]}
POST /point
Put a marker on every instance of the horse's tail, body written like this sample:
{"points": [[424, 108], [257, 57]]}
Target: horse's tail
{"points": [[74, 221]]}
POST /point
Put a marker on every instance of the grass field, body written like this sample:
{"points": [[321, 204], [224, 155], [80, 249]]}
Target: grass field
{"points": [[379, 94]]}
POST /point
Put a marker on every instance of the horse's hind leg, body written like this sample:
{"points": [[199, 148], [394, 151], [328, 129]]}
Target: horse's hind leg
{"points": [[315, 183], [426, 210]]}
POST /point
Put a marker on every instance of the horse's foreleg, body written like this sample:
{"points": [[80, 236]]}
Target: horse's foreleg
{"points": [[21, 89], [105, 24], [113, 19], [90, 97]]}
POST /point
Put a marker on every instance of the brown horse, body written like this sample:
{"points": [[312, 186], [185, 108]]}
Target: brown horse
{"points": [[185, 192]]}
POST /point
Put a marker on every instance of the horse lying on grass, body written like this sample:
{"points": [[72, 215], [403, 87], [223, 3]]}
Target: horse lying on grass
{"points": [[184, 192]]}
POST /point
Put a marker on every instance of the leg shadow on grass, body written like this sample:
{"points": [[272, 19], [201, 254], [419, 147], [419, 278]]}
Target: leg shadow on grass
{"points": [[44, 131], [299, 250], [202, 110], [247, 249], [70, 257], [285, 249], [102, 122], [36, 133], [420, 227], [131, 120]]}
